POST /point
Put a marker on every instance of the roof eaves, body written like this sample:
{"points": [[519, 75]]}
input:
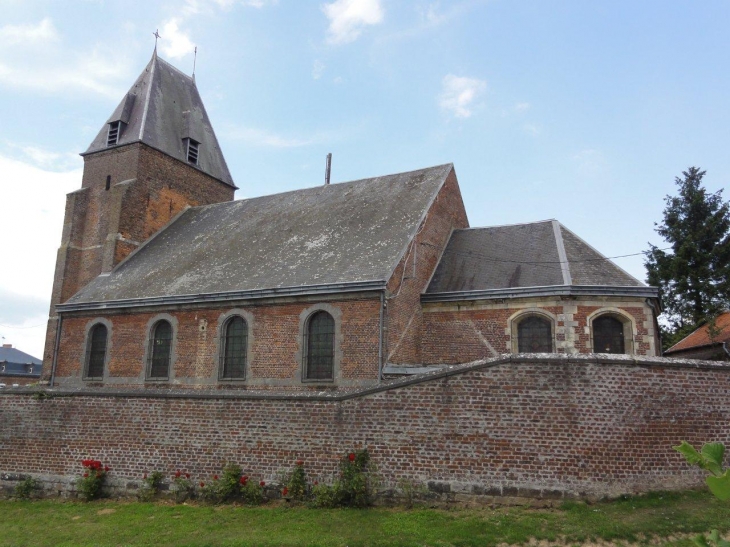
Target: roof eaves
{"points": [[550, 290], [254, 294]]}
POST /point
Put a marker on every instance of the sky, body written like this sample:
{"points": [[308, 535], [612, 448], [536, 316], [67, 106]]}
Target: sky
{"points": [[580, 111]]}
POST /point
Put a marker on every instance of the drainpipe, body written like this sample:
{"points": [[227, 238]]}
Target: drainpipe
{"points": [[55, 350], [724, 346], [380, 340]]}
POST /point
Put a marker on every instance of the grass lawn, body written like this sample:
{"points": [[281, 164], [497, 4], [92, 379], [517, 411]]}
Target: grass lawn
{"points": [[669, 516]]}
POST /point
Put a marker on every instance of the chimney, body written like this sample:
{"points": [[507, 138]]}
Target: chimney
{"points": [[7, 345], [328, 168]]}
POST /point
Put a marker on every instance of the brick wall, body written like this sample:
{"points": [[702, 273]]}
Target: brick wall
{"points": [[413, 273], [549, 427], [275, 339], [458, 332]]}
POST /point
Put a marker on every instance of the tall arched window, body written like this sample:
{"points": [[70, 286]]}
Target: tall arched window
{"points": [[534, 335], [234, 344], [160, 350], [320, 347], [608, 335], [96, 351]]}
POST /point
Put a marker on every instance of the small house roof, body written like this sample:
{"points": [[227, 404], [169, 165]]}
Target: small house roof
{"points": [[701, 336]]}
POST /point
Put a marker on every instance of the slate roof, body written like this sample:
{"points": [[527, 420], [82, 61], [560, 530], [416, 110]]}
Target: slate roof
{"points": [[162, 108], [13, 362], [701, 337], [348, 233], [525, 256]]}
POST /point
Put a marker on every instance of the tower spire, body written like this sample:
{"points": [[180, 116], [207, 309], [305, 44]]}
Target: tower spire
{"points": [[195, 60]]}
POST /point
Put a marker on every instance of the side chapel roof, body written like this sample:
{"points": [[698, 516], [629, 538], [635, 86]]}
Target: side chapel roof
{"points": [[161, 109], [701, 336], [336, 236], [517, 260]]}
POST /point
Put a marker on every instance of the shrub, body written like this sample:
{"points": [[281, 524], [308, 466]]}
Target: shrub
{"points": [[90, 484], [25, 488], [182, 487], [354, 488], [296, 485], [252, 492], [227, 487], [150, 486]]}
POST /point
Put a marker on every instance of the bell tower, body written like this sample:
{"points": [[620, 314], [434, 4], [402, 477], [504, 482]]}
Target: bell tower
{"points": [[156, 155]]}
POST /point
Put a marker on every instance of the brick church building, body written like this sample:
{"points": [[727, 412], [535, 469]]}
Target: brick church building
{"points": [[163, 280]]}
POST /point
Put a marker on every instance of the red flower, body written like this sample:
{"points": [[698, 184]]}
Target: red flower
{"points": [[244, 480], [177, 474], [187, 475], [262, 483], [202, 484], [245, 477], [300, 462], [215, 477], [285, 491], [351, 456], [106, 468], [144, 476], [86, 475], [316, 483]]}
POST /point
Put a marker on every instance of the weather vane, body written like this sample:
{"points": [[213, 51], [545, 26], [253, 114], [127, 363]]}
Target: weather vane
{"points": [[156, 34]]}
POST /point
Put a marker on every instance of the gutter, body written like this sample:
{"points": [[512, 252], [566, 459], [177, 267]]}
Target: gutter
{"points": [[380, 337], [328, 288], [724, 346], [550, 290]]}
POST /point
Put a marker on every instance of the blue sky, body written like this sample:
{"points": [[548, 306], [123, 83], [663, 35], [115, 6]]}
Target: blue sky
{"points": [[575, 110]]}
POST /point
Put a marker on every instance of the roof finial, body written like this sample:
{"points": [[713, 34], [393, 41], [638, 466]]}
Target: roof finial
{"points": [[195, 59], [156, 34]]}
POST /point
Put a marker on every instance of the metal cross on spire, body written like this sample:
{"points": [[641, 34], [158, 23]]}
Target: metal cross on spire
{"points": [[156, 34]]}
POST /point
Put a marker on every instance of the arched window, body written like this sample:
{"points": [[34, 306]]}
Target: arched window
{"points": [[320, 347], [534, 335], [234, 344], [160, 350], [96, 351], [608, 335]]}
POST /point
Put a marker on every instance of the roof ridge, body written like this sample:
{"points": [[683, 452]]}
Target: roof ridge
{"points": [[504, 225], [157, 57]]}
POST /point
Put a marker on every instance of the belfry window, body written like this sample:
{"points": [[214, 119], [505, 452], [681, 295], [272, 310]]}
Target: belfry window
{"points": [[319, 345], [160, 350], [234, 344], [96, 351], [192, 152], [115, 130], [534, 335], [608, 335]]}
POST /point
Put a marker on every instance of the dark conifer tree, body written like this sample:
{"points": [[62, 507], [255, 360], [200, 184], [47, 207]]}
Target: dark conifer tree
{"points": [[693, 276]]}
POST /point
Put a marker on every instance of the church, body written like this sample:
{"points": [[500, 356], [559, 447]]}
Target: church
{"points": [[164, 281]]}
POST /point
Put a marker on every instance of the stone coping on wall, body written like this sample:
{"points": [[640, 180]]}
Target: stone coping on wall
{"points": [[342, 394]]}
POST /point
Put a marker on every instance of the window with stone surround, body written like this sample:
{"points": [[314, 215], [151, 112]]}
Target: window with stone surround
{"points": [[608, 335], [534, 335], [96, 347], [319, 345], [160, 351], [234, 347]]}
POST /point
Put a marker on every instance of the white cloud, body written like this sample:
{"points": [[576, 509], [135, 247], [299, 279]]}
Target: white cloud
{"points": [[318, 69], [194, 7], [28, 34], [37, 216], [348, 17], [522, 107], [174, 42], [459, 93], [531, 129]]}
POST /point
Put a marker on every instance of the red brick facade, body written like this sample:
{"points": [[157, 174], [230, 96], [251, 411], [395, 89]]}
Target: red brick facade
{"points": [[547, 427]]}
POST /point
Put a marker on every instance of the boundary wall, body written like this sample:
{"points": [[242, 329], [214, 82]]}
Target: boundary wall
{"points": [[528, 426]]}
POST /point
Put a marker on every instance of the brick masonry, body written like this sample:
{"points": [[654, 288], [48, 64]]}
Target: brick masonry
{"points": [[549, 427]]}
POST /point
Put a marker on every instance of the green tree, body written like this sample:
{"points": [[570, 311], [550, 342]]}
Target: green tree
{"points": [[694, 276]]}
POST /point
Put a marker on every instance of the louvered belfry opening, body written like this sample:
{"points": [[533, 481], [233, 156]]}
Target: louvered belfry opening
{"points": [[234, 342], [160, 350], [534, 335], [608, 335], [115, 129], [320, 344], [96, 351], [193, 149]]}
